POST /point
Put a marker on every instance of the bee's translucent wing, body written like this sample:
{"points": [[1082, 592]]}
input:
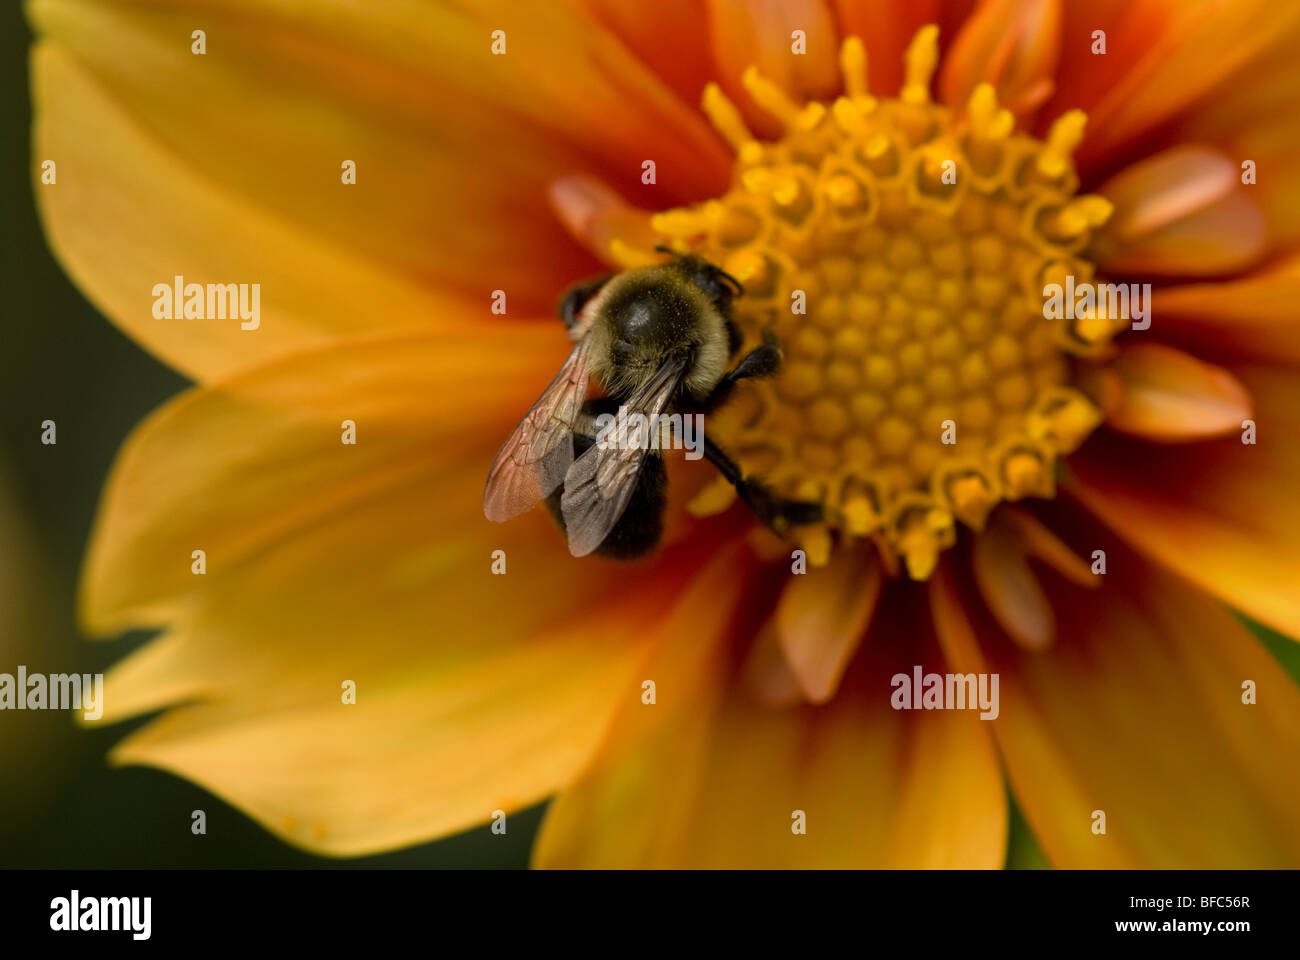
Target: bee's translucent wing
{"points": [[533, 462], [600, 483]]}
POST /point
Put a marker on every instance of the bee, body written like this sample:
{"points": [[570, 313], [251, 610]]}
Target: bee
{"points": [[656, 338]]}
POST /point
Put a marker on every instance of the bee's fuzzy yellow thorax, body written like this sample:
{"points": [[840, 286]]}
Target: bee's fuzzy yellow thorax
{"points": [[900, 249]]}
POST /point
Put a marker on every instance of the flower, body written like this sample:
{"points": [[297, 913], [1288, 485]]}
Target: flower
{"points": [[705, 705]]}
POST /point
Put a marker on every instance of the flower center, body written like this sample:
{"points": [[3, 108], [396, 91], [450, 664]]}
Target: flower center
{"points": [[899, 250]]}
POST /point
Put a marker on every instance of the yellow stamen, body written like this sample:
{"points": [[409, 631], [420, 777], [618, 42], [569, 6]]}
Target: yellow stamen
{"points": [[853, 65], [986, 119], [770, 97], [920, 61], [1066, 134], [724, 116]]}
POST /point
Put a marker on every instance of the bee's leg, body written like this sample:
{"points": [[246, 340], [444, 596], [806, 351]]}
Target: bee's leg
{"points": [[762, 361], [775, 511], [576, 297]]}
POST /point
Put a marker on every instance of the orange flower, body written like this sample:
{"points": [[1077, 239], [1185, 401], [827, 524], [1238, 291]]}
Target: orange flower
{"points": [[825, 172]]}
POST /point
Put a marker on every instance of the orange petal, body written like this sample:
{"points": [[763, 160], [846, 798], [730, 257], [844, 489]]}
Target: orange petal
{"points": [[1013, 45], [767, 672], [233, 469], [1252, 118], [745, 34], [665, 35], [1137, 713], [1166, 395], [887, 28], [1254, 317], [711, 778], [596, 216], [822, 616], [1222, 513], [1010, 588], [1162, 57], [1183, 212]]}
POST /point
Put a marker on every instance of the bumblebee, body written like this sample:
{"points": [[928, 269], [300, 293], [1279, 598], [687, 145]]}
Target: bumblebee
{"points": [[657, 339]]}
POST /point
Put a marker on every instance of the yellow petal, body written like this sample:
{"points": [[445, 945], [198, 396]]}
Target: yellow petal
{"points": [[822, 616], [710, 777], [430, 747], [475, 690], [227, 166], [1183, 212], [1136, 713], [235, 468], [1221, 513], [1166, 395], [125, 215]]}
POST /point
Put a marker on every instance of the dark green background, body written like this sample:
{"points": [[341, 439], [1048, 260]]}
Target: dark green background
{"points": [[60, 803]]}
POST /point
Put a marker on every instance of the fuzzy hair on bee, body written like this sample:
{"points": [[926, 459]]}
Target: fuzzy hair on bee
{"points": [[650, 313], [656, 338]]}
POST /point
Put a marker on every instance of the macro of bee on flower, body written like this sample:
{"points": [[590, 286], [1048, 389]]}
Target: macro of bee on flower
{"points": [[978, 323]]}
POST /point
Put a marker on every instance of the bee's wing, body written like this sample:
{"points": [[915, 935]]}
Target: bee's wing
{"points": [[600, 483], [533, 462]]}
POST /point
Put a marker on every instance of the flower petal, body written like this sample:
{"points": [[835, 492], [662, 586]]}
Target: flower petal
{"points": [[1164, 394], [1013, 45], [822, 616], [666, 35], [450, 142], [1221, 513], [125, 215], [1183, 212], [1162, 57], [596, 217], [758, 33], [234, 468], [1009, 587], [475, 689], [428, 750], [1251, 118], [709, 777], [1252, 318], [1137, 713], [886, 30]]}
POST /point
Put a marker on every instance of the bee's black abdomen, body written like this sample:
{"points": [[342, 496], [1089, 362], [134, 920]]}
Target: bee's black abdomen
{"points": [[640, 527]]}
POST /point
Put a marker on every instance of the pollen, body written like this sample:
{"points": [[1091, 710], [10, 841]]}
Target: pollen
{"points": [[899, 248]]}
